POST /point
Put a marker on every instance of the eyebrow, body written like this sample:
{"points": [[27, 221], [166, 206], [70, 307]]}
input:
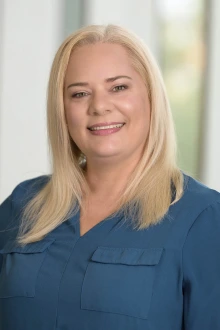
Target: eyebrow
{"points": [[106, 80]]}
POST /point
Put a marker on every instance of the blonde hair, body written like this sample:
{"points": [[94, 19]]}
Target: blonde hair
{"points": [[149, 192]]}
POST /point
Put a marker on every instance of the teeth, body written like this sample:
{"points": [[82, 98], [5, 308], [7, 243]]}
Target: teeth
{"points": [[106, 127]]}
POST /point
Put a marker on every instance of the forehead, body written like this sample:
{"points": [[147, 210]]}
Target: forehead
{"points": [[100, 57]]}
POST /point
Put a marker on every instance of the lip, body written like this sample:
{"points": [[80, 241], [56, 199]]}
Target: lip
{"points": [[105, 124]]}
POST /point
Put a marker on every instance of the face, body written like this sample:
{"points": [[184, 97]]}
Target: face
{"points": [[106, 103]]}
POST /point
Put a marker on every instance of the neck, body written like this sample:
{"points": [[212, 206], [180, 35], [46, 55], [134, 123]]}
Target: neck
{"points": [[108, 181]]}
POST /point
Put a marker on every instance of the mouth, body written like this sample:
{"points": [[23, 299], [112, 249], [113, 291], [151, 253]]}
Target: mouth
{"points": [[105, 126]]}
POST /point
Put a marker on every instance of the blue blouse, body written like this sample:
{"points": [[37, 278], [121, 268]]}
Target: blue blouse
{"points": [[166, 277]]}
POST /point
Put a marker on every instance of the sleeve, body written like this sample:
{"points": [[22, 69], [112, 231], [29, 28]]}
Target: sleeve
{"points": [[201, 272]]}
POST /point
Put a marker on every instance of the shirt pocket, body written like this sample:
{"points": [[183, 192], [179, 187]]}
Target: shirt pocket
{"points": [[120, 280], [20, 268]]}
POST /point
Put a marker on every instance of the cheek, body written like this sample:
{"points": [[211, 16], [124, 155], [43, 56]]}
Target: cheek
{"points": [[129, 106], [136, 104], [138, 111], [72, 118], [141, 117], [73, 127]]}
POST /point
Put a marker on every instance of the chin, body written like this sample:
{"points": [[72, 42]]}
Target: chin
{"points": [[105, 155]]}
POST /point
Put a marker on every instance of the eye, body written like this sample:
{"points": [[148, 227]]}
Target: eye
{"points": [[119, 88], [79, 95]]}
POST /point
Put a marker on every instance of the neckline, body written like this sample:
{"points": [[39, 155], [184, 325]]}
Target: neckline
{"points": [[110, 220]]}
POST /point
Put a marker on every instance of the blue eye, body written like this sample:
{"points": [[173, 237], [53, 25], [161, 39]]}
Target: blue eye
{"points": [[79, 95], [120, 88]]}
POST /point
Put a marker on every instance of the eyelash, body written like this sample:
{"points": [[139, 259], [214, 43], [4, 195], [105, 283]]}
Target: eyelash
{"points": [[115, 89], [119, 88], [76, 95]]}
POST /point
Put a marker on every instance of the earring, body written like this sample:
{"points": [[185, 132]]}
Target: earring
{"points": [[82, 160]]}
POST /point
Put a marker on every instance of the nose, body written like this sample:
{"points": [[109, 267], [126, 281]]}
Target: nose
{"points": [[99, 104]]}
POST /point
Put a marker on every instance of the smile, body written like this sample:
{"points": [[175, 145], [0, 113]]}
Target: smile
{"points": [[97, 128]]}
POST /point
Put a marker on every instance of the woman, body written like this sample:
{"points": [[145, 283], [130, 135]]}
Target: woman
{"points": [[116, 237]]}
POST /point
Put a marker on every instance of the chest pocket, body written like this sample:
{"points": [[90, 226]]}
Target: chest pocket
{"points": [[20, 268], [120, 280]]}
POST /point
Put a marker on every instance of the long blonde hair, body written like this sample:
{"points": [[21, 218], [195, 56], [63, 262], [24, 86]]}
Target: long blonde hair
{"points": [[149, 191]]}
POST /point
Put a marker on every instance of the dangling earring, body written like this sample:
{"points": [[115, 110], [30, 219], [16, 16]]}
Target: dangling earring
{"points": [[82, 160]]}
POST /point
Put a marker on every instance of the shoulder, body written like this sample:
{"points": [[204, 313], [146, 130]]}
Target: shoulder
{"points": [[205, 201], [196, 198], [25, 190], [197, 203], [199, 191], [12, 207]]}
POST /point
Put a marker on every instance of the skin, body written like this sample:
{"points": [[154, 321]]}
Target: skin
{"points": [[110, 158]]}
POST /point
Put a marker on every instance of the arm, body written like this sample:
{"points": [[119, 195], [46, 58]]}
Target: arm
{"points": [[201, 271]]}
